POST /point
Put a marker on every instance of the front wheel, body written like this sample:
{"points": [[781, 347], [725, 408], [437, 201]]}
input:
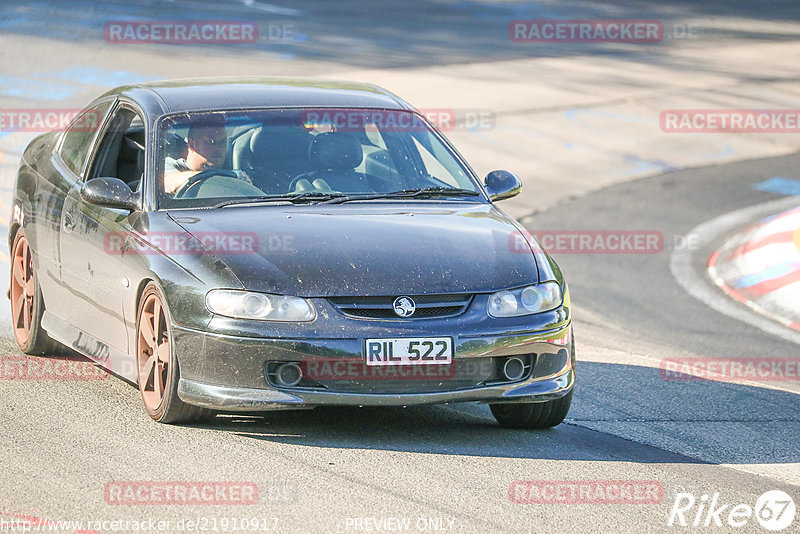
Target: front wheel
{"points": [[536, 415], [157, 365]]}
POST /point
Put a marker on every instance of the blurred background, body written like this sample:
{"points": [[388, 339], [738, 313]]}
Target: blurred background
{"points": [[568, 117]]}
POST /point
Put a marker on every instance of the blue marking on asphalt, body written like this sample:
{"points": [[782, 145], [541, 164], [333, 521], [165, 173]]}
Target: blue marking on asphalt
{"points": [[34, 89], [13, 20], [770, 273], [534, 10], [98, 76], [524, 11], [62, 84], [781, 186], [57, 85], [574, 115], [646, 165]]}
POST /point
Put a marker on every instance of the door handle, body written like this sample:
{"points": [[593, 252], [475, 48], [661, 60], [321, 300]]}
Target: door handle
{"points": [[69, 221]]}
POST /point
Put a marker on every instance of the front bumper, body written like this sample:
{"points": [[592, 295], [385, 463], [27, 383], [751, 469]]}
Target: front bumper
{"points": [[246, 399], [227, 373]]}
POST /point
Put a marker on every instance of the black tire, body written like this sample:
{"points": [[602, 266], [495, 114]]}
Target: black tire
{"points": [[35, 342], [532, 415], [170, 409]]}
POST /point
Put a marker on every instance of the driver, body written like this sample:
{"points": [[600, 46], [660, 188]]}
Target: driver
{"points": [[207, 148]]}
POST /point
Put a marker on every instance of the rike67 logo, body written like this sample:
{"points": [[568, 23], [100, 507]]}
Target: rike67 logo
{"points": [[774, 510]]}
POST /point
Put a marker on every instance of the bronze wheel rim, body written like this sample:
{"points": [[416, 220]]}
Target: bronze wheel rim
{"points": [[23, 291], [153, 352]]}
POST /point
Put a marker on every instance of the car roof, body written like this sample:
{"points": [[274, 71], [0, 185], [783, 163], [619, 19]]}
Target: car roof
{"points": [[204, 94]]}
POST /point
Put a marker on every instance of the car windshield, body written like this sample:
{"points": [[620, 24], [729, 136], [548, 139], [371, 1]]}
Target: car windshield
{"points": [[305, 155]]}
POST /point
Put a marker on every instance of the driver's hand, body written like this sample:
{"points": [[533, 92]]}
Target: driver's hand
{"points": [[174, 180], [240, 174]]}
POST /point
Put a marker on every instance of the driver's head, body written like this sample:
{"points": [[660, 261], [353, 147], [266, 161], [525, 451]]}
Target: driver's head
{"points": [[208, 145]]}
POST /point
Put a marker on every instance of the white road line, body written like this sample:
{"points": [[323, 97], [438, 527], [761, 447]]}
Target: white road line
{"points": [[682, 261], [250, 4], [270, 8]]}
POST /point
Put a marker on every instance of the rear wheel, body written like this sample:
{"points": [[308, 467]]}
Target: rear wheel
{"points": [[27, 304], [158, 370]]}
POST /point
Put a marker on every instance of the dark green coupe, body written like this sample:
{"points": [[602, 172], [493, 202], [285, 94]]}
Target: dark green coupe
{"points": [[243, 245]]}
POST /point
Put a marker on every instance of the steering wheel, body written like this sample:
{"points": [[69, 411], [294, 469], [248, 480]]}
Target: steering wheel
{"points": [[201, 177]]}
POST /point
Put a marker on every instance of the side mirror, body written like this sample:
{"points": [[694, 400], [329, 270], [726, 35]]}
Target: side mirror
{"points": [[502, 185], [110, 193]]}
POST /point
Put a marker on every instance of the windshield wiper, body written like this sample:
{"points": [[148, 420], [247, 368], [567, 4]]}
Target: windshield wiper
{"points": [[313, 195], [438, 191], [408, 193], [294, 198], [339, 198]]}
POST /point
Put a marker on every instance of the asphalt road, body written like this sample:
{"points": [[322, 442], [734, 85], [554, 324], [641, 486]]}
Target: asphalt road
{"points": [[637, 297], [444, 468]]}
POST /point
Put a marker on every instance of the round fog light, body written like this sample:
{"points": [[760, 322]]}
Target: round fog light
{"points": [[289, 374], [513, 369]]}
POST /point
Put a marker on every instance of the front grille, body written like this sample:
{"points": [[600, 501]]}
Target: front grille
{"points": [[427, 306]]}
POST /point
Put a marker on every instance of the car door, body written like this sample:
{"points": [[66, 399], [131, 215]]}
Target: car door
{"points": [[58, 173], [92, 264]]}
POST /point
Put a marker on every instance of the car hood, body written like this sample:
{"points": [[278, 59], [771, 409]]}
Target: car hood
{"points": [[374, 249]]}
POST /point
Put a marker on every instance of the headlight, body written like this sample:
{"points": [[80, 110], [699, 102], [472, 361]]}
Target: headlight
{"points": [[526, 300], [259, 306]]}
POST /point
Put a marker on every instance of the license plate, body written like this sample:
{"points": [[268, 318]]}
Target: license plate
{"points": [[409, 351]]}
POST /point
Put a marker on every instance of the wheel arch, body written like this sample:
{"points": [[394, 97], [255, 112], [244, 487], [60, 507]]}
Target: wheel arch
{"points": [[143, 283], [12, 233]]}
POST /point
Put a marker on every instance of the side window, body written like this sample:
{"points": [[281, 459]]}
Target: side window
{"points": [[439, 163], [120, 152], [434, 167], [79, 135]]}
